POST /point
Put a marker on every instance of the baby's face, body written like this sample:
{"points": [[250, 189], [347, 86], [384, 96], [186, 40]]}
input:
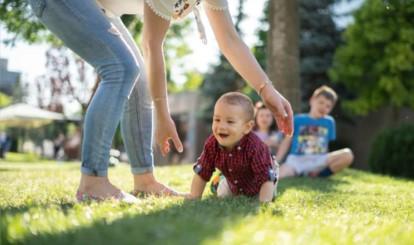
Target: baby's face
{"points": [[230, 124]]}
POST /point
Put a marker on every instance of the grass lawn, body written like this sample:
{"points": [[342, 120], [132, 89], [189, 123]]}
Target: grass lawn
{"points": [[37, 206]]}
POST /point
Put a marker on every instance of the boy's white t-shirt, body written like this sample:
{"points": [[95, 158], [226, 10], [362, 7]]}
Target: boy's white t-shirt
{"points": [[167, 9]]}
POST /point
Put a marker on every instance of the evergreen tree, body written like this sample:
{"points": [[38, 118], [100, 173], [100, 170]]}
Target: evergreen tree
{"points": [[319, 38]]}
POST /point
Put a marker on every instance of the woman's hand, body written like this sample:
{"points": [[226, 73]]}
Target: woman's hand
{"points": [[241, 58], [280, 107], [165, 130]]}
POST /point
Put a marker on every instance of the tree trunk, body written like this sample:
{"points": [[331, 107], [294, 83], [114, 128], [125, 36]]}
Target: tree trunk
{"points": [[283, 49]]}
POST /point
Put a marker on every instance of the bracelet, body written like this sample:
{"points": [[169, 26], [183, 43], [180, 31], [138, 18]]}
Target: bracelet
{"points": [[262, 86], [156, 99]]}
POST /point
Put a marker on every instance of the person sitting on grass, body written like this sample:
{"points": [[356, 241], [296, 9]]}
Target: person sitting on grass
{"points": [[265, 127], [313, 131], [243, 159]]}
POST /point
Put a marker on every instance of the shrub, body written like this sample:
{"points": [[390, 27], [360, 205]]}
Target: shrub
{"points": [[393, 152]]}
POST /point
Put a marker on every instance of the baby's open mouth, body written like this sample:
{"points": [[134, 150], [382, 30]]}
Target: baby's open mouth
{"points": [[223, 135]]}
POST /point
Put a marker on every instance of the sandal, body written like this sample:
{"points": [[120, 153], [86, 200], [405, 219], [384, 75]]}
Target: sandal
{"points": [[121, 196]]}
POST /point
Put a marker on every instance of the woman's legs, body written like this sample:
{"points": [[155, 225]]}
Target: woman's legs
{"points": [[82, 26], [136, 126], [136, 121]]}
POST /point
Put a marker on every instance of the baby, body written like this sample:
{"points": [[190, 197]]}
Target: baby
{"points": [[243, 159]]}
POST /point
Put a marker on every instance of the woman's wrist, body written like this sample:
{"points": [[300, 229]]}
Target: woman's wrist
{"points": [[263, 86], [161, 106]]}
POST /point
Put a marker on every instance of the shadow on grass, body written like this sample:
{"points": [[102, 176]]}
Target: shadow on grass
{"points": [[188, 222]]}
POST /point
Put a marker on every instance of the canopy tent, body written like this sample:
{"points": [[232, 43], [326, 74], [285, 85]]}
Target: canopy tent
{"points": [[27, 116]]}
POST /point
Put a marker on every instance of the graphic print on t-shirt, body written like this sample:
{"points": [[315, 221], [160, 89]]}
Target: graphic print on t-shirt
{"points": [[312, 139]]}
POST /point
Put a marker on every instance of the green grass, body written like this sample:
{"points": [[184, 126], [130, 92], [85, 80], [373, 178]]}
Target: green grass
{"points": [[22, 157], [37, 206]]}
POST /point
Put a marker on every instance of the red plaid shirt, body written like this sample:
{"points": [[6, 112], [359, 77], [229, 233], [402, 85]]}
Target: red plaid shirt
{"points": [[246, 167]]}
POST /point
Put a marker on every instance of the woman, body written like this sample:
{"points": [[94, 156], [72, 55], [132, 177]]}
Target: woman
{"points": [[94, 31]]}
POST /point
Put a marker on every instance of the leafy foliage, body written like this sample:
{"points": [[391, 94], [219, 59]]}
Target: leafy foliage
{"points": [[4, 100], [393, 152], [377, 60], [17, 18]]}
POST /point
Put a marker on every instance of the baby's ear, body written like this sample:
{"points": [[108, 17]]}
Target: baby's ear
{"points": [[249, 126]]}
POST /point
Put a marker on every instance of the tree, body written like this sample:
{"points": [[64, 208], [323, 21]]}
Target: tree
{"points": [[18, 19], [65, 80], [376, 62], [319, 37], [283, 49]]}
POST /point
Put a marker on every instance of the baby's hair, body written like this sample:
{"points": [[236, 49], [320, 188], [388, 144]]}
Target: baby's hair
{"points": [[239, 99], [327, 92]]}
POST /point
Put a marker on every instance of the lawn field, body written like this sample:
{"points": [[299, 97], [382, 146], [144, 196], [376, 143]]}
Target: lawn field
{"points": [[37, 206]]}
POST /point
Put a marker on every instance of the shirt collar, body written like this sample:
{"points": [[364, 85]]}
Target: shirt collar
{"points": [[238, 147]]}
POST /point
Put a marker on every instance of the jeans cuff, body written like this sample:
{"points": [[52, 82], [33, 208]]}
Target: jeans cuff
{"points": [[142, 170], [93, 172]]}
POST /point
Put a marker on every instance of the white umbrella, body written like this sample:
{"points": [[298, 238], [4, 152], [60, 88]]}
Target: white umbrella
{"points": [[27, 116]]}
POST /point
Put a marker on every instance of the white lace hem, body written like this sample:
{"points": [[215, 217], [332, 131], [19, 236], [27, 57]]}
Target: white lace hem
{"points": [[152, 7]]}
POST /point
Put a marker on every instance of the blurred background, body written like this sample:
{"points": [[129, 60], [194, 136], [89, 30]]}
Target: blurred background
{"points": [[364, 49]]}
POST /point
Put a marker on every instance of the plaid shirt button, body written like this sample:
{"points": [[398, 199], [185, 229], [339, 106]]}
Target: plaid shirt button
{"points": [[230, 169], [230, 155], [235, 182]]}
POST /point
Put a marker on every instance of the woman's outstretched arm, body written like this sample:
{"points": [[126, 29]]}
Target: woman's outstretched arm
{"points": [[241, 58], [154, 31]]}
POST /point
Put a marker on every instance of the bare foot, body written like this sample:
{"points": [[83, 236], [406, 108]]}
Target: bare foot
{"points": [[99, 189], [147, 184]]}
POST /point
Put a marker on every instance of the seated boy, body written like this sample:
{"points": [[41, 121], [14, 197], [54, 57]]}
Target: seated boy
{"points": [[309, 144], [243, 159]]}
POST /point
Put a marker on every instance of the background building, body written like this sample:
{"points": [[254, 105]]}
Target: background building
{"points": [[9, 80]]}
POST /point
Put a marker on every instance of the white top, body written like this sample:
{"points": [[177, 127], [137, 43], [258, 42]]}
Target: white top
{"points": [[167, 9]]}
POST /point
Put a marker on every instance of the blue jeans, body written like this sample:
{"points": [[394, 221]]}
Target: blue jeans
{"points": [[122, 95]]}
